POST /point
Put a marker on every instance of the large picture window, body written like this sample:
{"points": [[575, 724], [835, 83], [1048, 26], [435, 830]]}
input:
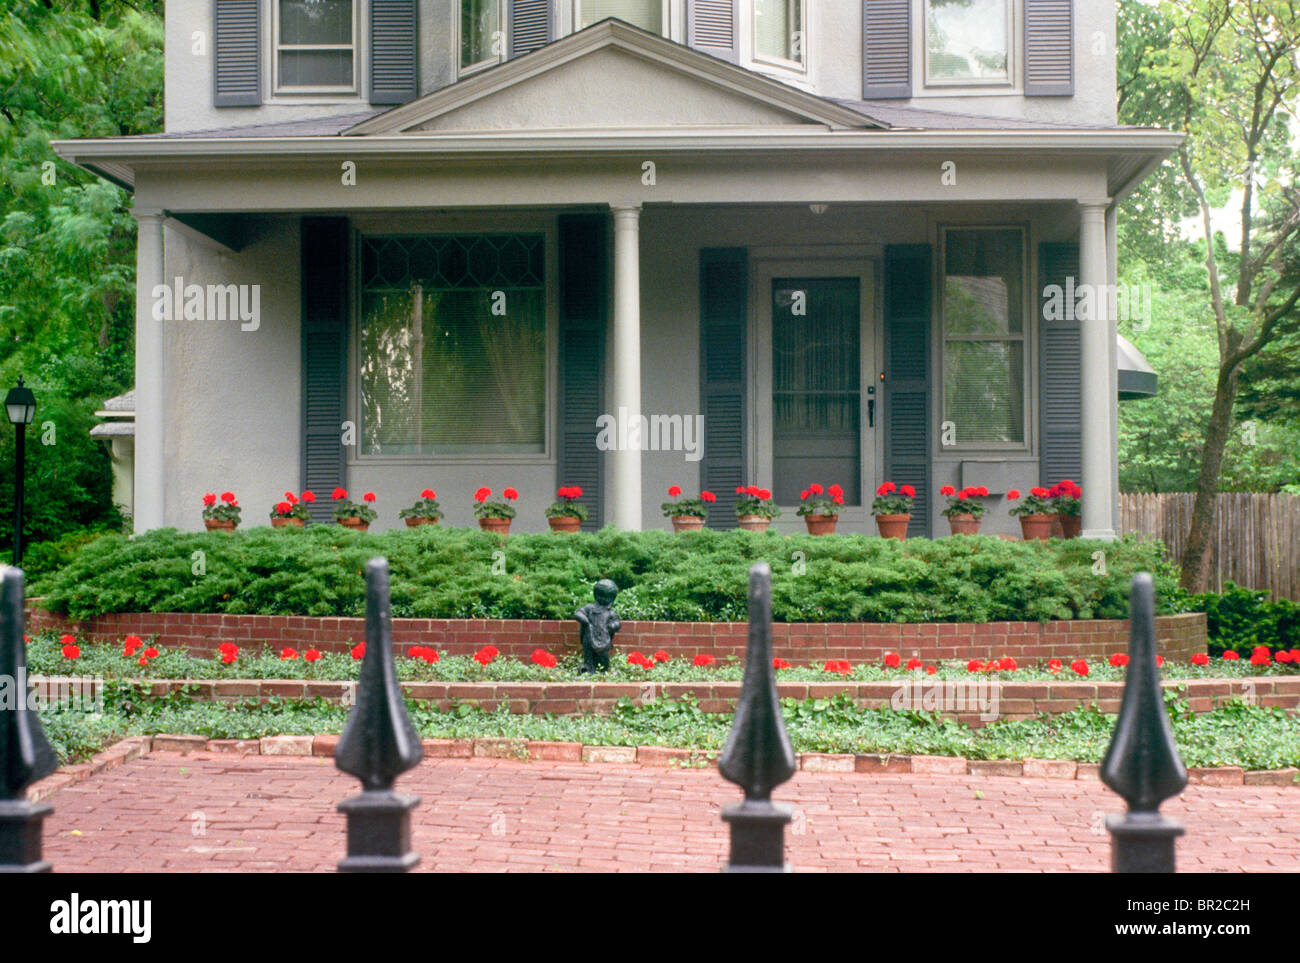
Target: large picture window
{"points": [[315, 47], [984, 335], [778, 31], [646, 14], [967, 41], [452, 344], [482, 41]]}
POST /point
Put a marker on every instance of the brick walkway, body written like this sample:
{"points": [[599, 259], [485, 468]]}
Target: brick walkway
{"points": [[201, 812]]}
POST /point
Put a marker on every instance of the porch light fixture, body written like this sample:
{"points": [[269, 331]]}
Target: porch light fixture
{"points": [[20, 406], [819, 208]]}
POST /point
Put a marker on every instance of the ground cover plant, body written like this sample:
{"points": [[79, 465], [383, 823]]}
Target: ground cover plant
{"points": [[453, 573]]}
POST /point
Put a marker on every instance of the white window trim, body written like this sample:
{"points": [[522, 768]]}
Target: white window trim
{"points": [[1024, 337], [961, 86], [277, 47], [470, 223], [503, 31], [666, 8], [798, 67]]}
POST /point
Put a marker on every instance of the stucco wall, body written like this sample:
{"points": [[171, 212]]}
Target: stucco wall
{"points": [[834, 43]]}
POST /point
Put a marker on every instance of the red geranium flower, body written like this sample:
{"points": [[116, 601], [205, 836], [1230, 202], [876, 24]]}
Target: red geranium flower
{"points": [[482, 494], [741, 490], [225, 647], [543, 658], [837, 499], [891, 660], [974, 665], [359, 650], [1013, 494], [143, 661], [1119, 660], [835, 491], [291, 498], [913, 663], [780, 664], [1160, 661], [485, 655], [209, 499], [152, 653], [283, 508], [765, 494], [288, 655], [708, 497], [908, 491], [368, 497], [309, 496], [982, 492], [1200, 658], [1283, 657], [71, 652], [674, 491], [637, 658], [510, 494], [930, 670], [228, 497], [703, 660], [837, 665], [661, 656], [228, 658], [311, 655], [1260, 658], [340, 493], [1007, 664], [1230, 656], [1054, 665], [815, 488], [428, 493], [948, 490], [1079, 666]]}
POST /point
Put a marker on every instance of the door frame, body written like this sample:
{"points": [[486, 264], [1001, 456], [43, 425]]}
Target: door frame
{"points": [[815, 261]]}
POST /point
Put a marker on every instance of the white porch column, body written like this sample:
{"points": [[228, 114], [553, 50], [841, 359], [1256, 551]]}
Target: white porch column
{"points": [[625, 459], [149, 270], [1096, 338]]}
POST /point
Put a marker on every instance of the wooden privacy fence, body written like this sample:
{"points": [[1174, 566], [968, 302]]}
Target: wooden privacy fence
{"points": [[1254, 543]]}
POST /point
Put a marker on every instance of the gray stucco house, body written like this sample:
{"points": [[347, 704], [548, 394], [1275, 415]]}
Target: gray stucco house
{"points": [[397, 244]]}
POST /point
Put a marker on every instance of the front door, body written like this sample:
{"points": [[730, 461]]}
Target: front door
{"points": [[815, 386]]}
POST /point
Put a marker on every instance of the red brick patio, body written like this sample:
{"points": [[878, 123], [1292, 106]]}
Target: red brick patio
{"points": [[219, 813]]}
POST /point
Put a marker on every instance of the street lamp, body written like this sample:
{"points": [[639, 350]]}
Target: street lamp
{"points": [[20, 406]]}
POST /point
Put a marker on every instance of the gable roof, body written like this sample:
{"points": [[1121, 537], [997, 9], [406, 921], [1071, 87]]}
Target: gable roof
{"points": [[729, 93]]}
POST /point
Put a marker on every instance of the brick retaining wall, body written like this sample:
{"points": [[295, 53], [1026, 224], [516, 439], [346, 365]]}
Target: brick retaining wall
{"points": [[1178, 636], [955, 699]]}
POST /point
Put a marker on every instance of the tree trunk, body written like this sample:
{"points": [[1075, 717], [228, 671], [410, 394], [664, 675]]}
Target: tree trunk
{"points": [[1196, 555]]}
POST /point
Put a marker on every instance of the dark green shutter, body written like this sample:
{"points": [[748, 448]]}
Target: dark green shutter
{"points": [[886, 49], [324, 357], [724, 282], [711, 26], [1049, 48], [394, 65], [531, 26], [1060, 385], [236, 53], [583, 299], [907, 383]]}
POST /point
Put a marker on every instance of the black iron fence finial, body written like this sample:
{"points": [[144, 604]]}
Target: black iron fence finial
{"points": [[25, 754], [1142, 763], [378, 744], [757, 756]]}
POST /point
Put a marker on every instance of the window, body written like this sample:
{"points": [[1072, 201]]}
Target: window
{"points": [[315, 45], [778, 31], [482, 40], [967, 41], [984, 335], [452, 344], [646, 14]]}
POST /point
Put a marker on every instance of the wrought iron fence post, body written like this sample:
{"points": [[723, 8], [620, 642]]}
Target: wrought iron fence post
{"points": [[378, 744], [1142, 763], [25, 754], [758, 756]]}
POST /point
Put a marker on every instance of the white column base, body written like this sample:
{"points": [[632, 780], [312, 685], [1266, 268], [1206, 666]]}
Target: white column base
{"points": [[625, 459]]}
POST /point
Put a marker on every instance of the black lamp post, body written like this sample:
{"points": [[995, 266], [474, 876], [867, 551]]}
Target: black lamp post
{"points": [[20, 406]]}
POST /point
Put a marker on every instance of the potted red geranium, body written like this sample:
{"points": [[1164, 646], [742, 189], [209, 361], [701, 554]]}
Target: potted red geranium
{"points": [[820, 508], [292, 511], [1035, 513], [565, 514], [425, 511], [688, 514], [964, 510], [223, 516], [351, 515], [1067, 507], [494, 516], [893, 509], [755, 509]]}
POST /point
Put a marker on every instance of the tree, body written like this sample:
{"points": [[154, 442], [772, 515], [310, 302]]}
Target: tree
{"points": [[1227, 76]]}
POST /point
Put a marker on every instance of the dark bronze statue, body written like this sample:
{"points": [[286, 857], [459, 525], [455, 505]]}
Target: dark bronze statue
{"points": [[597, 623]]}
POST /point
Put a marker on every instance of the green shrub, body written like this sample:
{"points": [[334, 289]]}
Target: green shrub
{"points": [[456, 573], [1240, 619]]}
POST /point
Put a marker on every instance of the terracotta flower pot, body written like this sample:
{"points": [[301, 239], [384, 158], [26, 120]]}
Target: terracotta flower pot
{"points": [[893, 526], [1071, 525], [565, 523], [964, 524], [287, 522], [219, 524], [416, 522], [687, 523], [821, 524], [497, 526], [355, 524], [1036, 526], [754, 523]]}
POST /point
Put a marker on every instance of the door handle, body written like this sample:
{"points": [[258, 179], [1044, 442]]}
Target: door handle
{"points": [[871, 412]]}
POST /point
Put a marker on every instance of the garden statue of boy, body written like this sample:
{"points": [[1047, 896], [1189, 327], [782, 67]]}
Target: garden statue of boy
{"points": [[597, 623]]}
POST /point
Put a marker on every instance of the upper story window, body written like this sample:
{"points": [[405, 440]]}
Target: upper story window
{"points": [[315, 46], [779, 32], [482, 39], [649, 15], [967, 41]]}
